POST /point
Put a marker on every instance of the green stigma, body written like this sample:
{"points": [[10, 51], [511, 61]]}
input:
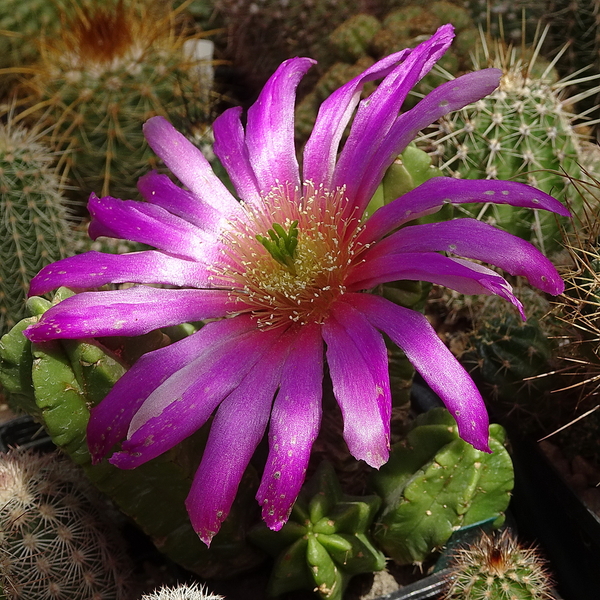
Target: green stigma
{"points": [[281, 245]]}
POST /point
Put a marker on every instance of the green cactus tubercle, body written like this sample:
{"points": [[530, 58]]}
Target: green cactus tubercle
{"points": [[324, 542]]}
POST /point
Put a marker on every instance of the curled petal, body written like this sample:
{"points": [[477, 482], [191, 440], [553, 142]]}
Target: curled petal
{"points": [[460, 275], [444, 99], [95, 269], [377, 114], [160, 190], [180, 405], [148, 224], [477, 240], [238, 427], [190, 166], [357, 393], [230, 147], [412, 332], [295, 421], [270, 127], [109, 420], [133, 311], [430, 196]]}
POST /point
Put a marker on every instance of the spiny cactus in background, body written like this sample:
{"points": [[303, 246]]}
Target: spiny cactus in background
{"points": [[56, 540], [34, 229], [58, 383], [522, 131], [182, 592], [435, 483], [498, 567], [110, 68], [325, 541], [508, 357]]}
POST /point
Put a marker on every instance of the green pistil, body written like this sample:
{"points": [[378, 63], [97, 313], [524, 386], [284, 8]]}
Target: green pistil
{"points": [[281, 245]]}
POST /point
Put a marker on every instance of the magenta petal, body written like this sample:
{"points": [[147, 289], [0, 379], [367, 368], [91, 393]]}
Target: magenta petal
{"points": [[477, 240], [430, 196], [148, 224], [133, 311], [182, 404], [95, 269], [377, 114], [412, 332], [295, 421], [109, 421], [230, 147], [443, 100], [460, 275], [321, 149], [238, 427], [190, 166], [160, 190], [357, 394], [270, 127]]}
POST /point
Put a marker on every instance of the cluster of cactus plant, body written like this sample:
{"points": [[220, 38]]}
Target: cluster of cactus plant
{"points": [[109, 68], [34, 230], [57, 541], [59, 382], [435, 483], [523, 131], [498, 567], [325, 542]]}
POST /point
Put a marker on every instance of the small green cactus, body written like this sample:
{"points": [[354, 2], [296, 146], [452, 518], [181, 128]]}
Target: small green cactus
{"points": [[182, 592], [111, 67], [497, 567], [523, 131], [350, 41], [325, 542], [59, 382], [434, 483], [56, 540], [34, 230]]}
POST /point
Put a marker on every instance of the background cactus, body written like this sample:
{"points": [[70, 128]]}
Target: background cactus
{"points": [[110, 68], [523, 131], [498, 567], [34, 230], [435, 483], [58, 383], [325, 541], [182, 592], [57, 541]]}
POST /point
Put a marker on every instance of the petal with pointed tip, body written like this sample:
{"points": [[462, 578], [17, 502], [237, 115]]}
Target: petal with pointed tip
{"points": [[270, 127], [430, 196], [238, 427], [109, 420], [95, 269], [189, 165], [295, 421], [133, 311], [412, 332]]}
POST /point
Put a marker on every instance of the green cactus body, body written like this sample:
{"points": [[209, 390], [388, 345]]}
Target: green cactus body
{"points": [[58, 382], [34, 230], [55, 540], [522, 131], [498, 567], [325, 541], [435, 483], [108, 71], [350, 41]]}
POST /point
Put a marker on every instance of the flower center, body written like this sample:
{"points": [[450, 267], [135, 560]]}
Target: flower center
{"points": [[289, 261]]}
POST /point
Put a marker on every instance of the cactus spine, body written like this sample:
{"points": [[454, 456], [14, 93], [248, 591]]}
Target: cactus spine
{"points": [[498, 567], [55, 541], [182, 592], [34, 229], [111, 68]]}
